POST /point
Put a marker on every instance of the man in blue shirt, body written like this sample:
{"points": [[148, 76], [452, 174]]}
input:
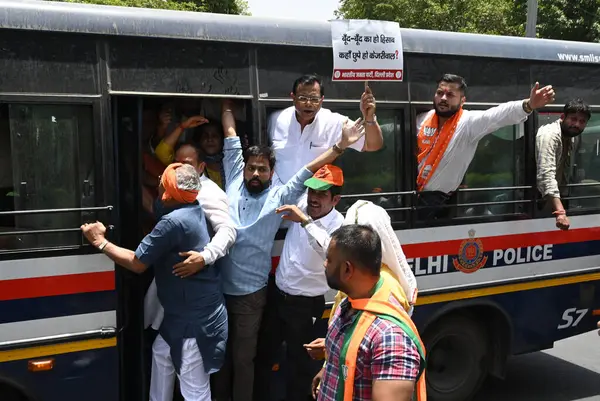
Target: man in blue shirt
{"points": [[252, 204], [193, 333]]}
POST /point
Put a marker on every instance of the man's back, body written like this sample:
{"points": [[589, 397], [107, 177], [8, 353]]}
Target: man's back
{"points": [[186, 230]]}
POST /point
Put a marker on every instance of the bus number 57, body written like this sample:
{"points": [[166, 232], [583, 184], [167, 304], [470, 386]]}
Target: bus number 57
{"points": [[571, 317]]}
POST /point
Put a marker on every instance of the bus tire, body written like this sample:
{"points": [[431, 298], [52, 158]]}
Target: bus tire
{"points": [[457, 363]]}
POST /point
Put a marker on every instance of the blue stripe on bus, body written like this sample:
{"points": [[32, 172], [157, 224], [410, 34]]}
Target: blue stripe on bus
{"points": [[558, 252], [19, 310]]}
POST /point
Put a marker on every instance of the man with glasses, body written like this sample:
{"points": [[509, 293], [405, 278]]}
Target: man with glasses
{"points": [[305, 130]]}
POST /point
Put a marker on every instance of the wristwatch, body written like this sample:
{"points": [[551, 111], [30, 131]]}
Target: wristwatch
{"points": [[527, 107], [306, 222], [337, 149]]}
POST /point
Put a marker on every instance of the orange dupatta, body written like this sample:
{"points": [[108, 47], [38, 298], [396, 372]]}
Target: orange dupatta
{"points": [[432, 147], [369, 309]]}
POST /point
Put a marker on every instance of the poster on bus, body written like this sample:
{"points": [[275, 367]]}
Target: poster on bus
{"points": [[365, 50]]}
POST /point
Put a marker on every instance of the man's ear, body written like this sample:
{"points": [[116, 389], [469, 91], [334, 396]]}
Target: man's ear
{"points": [[336, 199]]}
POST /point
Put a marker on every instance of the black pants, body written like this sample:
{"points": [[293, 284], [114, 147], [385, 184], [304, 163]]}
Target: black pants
{"points": [[235, 379], [436, 205], [287, 318]]}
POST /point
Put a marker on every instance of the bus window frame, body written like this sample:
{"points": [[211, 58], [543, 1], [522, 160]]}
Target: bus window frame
{"points": [[102, 172], [557, 109], [400, 108], [529, 190]]}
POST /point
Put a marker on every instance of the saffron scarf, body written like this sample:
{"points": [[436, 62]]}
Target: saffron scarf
{"points": [[378, 306], [432, 147]]}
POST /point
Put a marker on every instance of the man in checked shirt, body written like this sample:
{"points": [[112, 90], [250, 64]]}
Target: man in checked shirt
{"points": [[388, 360]]}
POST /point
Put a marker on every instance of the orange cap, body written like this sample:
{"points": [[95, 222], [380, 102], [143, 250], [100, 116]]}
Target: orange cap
{"points": [[325, 178]]}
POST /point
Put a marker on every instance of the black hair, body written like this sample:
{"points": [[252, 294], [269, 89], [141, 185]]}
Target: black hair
{"points": [[193, 145], [260, 151], [577, 106], [335, 190], [200, 130], [454, 79], [360, 245], [308, 79]]}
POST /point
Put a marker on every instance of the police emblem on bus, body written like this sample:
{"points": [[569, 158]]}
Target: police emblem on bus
{"points": [[470, 255]]}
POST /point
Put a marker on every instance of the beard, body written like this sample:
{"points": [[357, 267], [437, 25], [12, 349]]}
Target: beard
{"points": [[256, 189], [333, 280], [446, 113], [570, 132]]}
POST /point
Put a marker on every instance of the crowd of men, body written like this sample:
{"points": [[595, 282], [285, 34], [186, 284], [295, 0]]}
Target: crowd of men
{"points": [[220, 315]]}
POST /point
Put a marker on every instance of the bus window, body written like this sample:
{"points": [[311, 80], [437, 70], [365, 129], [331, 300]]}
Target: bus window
{"points": [[375, 175], [584, 192], [498, 162], [48, 153], [372, 175]]}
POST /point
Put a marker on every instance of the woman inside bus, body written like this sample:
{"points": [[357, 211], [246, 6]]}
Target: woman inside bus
{"points": [[209, 138]]}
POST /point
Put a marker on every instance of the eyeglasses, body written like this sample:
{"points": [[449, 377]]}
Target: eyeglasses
{"points": [[308, 99]]}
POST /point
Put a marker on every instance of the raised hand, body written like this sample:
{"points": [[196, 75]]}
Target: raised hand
{"points": [[367, 103], [291, 213], [193, 122], [540, 97], [352, 131]]}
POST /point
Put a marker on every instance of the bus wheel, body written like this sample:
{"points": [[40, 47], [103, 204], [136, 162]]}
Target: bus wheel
{"points": [[456, 358]]}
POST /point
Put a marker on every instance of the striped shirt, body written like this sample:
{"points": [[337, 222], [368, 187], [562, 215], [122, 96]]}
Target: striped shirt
{"points": [[472, 127], [385, 353], [246, 268]]}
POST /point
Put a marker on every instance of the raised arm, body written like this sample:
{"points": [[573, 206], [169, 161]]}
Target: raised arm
{"points": [[165, 150], [233, 159], [511, 113], [352, 131], [214, 203], [373, 135]]}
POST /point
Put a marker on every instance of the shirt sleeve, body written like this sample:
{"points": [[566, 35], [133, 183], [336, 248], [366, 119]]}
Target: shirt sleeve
{"points": [[233, 160], [318, 238], [214, 203], [291, 192], [161, 240], [165, 153], [546, 147], [482, 123], [394, 355]]}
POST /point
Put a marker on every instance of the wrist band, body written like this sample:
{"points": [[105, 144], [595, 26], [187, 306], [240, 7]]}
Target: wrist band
{"points": [[559, 212], [103, 245]]}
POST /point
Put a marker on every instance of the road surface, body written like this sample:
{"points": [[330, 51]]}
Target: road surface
{"points": [[568, 372]]}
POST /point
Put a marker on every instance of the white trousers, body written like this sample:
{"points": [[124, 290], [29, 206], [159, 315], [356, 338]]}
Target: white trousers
{"points": [[193, 379]]}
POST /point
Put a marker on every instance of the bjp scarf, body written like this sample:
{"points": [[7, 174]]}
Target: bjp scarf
{"points": [[432, 147], [172, 192], [378, 306]]}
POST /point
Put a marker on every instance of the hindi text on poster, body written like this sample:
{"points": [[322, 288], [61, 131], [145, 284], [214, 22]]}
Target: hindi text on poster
{"points": [[365, 50]]}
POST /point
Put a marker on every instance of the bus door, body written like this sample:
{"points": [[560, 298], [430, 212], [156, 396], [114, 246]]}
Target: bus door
{"points": [[57, 294]]}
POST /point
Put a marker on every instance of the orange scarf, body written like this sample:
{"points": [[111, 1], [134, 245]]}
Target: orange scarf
{"points": [[370, 309], [169, 183], [432, 147]]}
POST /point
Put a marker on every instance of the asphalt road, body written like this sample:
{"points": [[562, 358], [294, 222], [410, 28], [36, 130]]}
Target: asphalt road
{"points": [[568, 372]]}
